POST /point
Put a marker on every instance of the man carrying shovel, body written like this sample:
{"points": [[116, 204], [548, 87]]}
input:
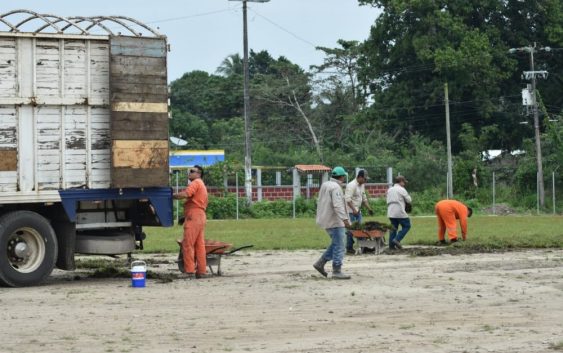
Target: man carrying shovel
{"points": [[332, 216]]}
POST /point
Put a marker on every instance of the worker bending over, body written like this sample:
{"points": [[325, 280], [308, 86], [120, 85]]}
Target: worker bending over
{"points": [[447, 211]]}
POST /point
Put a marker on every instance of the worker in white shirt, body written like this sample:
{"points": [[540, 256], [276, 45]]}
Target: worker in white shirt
{"points": [[397, 198], [355, 196]]}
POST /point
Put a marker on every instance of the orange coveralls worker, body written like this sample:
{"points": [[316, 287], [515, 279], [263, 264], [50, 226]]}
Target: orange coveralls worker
{"points": [[193, 244], [447, 211]]}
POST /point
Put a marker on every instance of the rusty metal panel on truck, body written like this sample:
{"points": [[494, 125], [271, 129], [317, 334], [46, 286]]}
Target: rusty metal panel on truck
{"points": [[139, 112]]}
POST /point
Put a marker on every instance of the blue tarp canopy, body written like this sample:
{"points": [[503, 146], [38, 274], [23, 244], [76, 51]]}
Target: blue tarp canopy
{"points": [[189, 158]]}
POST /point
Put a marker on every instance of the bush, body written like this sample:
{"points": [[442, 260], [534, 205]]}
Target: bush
{"points": [[223, 207], [226, 207]]}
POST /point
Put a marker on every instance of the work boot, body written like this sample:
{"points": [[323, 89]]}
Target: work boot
{"points": [[320, 266], [397, 244], [337, 273]]}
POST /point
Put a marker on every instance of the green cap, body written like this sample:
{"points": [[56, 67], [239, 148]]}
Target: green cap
{"points": [[338, 172]]}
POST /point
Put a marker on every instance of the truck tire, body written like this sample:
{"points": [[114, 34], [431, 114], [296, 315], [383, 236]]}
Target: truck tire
{"points": [[28, 249]]}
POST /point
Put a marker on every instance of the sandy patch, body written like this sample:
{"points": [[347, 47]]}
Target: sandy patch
{"points": [[276, 302]]}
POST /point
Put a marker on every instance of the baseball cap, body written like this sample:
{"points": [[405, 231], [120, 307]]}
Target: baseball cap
{"points": [[362, 173], [338, 172], [400, 178]]}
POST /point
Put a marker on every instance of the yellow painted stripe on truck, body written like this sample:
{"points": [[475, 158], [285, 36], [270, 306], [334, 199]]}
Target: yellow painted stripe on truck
{"points": [[139, 107]]}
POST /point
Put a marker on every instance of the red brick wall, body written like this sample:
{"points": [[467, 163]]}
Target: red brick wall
{"points": [[285, 192]]}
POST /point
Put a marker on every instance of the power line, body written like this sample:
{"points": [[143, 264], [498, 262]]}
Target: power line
{"points": [[284, 29], [189, 16]]}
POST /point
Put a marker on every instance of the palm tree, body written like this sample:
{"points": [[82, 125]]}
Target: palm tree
{"points": [[231, 65]]}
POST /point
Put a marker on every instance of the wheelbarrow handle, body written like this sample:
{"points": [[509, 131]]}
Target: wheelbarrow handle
{"points": [[237, 249], [218, 249]]}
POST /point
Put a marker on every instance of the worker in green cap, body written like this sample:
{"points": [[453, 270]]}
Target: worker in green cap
{"points": [[333, 217]]}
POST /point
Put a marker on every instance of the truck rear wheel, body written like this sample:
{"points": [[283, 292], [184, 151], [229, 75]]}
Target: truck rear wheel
{"points": [[28, 248]]}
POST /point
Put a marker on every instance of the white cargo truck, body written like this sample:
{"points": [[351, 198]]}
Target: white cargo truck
{"points": [[83, 140]]}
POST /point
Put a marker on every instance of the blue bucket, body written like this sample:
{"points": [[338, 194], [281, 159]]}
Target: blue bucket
{"points": [[138, 274]]}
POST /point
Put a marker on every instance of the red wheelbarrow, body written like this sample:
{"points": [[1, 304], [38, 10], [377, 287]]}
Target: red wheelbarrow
{"points": [[369, 239], [214, 251]]}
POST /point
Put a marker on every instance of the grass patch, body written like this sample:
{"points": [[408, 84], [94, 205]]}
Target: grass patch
{"points": [[486, 234]]}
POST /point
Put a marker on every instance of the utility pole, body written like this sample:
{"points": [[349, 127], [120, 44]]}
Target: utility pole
{"points": [[450, 187], [541, 189], [532, 75], [247, 124]]}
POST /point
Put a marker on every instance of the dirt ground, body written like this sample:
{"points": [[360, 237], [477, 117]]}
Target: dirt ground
{"points": [[276, 302]]}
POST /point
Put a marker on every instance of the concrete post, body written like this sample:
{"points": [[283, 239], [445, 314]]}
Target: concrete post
{"points": [[309, 184], [278, 178], [259, 184], [296, 184]]}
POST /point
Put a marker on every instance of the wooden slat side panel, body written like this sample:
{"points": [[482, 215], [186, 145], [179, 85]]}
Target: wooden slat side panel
{"points": [[138, 65], [140, 79], [100, 150], [74, 154], [138, 126], [135, 87], [121, 178], [135, 46], [75, 128], [100, 169], [99, 71], [100, 129], [47, 68], [48, 144], [8, 127], [8, 181], [139, 108], [8, 67], [48, 170], [139, 98], [48, 127], [75, 69], [75, 168]]}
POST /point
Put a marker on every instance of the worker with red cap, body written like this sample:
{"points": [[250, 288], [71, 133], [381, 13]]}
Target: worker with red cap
{"points": [[447, 212], [193, 243]]}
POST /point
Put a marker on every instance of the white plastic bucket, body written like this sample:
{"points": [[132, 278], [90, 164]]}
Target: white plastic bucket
{"points": [[138, 274]]}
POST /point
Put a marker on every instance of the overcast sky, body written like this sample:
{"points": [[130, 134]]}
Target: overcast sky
{"points": [[204, 32]]}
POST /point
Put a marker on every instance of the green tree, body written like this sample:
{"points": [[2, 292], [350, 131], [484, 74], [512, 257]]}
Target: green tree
{"points": [[191, 128], [210, 97], [232, 65], [341, 66], [416, 46]]}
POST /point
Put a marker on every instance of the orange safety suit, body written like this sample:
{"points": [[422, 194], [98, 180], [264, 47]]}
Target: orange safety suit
{"points": [[447, 211], [193, 244]]}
